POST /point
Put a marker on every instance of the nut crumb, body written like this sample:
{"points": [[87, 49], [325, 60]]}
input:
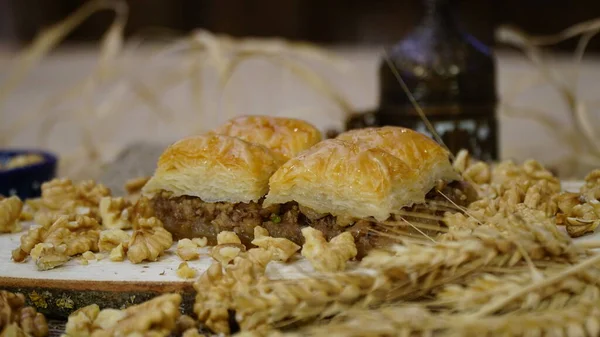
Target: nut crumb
{"points": [[184, 271], [227, 237], [88, 256], [187, 250], [200, 242], [225, 253], [117, 254]]}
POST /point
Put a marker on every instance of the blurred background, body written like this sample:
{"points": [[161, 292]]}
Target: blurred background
{"points": [[101, 119], [331, 22]]}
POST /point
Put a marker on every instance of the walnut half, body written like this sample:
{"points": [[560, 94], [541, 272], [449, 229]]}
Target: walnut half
{"points": [[149, 241], [20, 319], [10, 212]]}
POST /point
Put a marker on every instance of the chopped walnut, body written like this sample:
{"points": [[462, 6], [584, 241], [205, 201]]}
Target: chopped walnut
{"points": [[324, 256], [184, 271], [88, 256], [108, 318], [51, 256], [117, 254], [192, 332], [281, 249], [591, 189], [214, 288], [135, 185], [183, 324], [200, 242], [77, 233], [142, 209], [58, 194], [10, 212], [227, 237], [81, 321], [225, 253], [115, 213], [149, 241], [156, 317], [187, 250], [23, 160], [472, 170], [111, 238], [21, 320]]}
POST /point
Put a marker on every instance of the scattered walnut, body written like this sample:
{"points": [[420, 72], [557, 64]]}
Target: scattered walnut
{"points": [[81, 321], [21, 320], [10, 212], [111, 238], [200, 242], [142, 209], [187, 250], [183, 324], [58, 194], [108, 318], [192, 332], [77, 233], [32, 322], [227, 237], [51, 256], [591, 189], [156, 317], [88, 256], [324, 256], [149, 241], [117, 254], [135, 185], [215, 287], [281, 249], [226, 252], [115, 213], [184, 271]]}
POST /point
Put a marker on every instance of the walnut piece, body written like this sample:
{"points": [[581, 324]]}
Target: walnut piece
{"points": [[19, 319], [156, 317], [281, 249], [111, 238], [215, 287], [324, 256], [149, 241], [142, 209], [226, 252], [187, 250], [10, 212], [81, 321], [49, 256], [115, 212], [77, 233], [227, 237], [591, 189], [200, 242], [117, 254], [88, 256], [135, 185], [184, 271]]}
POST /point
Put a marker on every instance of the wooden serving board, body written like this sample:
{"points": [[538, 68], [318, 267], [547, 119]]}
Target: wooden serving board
{"points": [[60, 291], [57, 292]]}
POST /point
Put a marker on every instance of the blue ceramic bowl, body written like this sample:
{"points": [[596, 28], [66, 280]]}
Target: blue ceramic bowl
{"points": [[25, 182]]}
